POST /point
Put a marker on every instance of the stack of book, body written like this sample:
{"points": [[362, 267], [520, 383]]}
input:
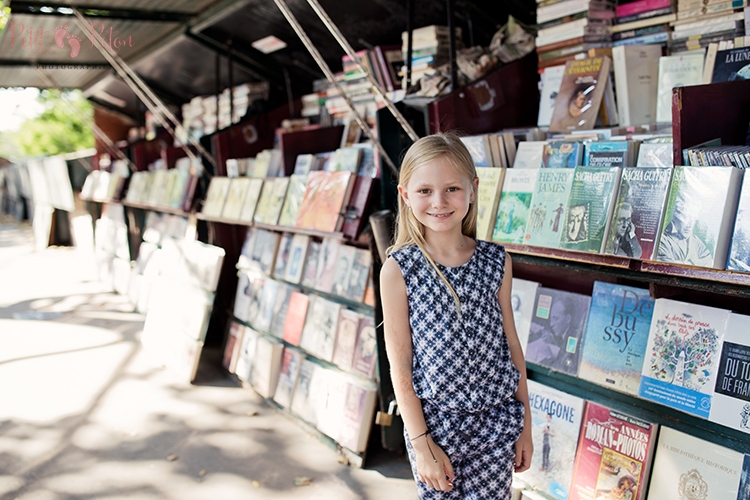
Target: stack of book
{"points": [[643, 22], [698, 25], [430, 48]]}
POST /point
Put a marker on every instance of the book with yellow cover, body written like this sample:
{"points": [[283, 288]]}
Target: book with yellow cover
{"points": [[215, 197], [332, 196], [235, 198], [307, 208], [488, 197], [294, 194], [251, 200]]}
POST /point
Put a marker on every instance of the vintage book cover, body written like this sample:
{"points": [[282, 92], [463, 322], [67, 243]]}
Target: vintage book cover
{"points": [[247, 354], [297, 255], [551, 80], [549, 205], [367, 166], [308, 208], [311, 264], [609, 154], [255, 292], [514, 206], [682, 357], [245, 260], [636, 220], [282, 256], [264, 374], [333, 195], [267, 195], [615, 453], [688, 467], [295, 317], [636, 77], [267, 244], [280, 309], [731, 399], [319, 333], [366, 350], [581, 91], [215, 197], [262, 320], [301, 395], [270, 214], [562, 154], [739, 254], [655, 154], [676, 71], [556, 423], [244, 295], [348, 159], [358, 275], [522, 299], [344, 260], [617, 330], [236, 198], [530, 154], [732, 64], [346, 339], [232, 346], [303, 164], [590, 207], [328, 396], [291, 362], [251, 200], [294, 194], [557, 328], [354, 215], [488, 198], [327, 265], [479, 149], [357, 415], [699, 216], [744, 489]]}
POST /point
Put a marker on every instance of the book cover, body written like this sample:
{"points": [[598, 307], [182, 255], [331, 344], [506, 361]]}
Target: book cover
{"points": [[555, 427], [235, 198], [739, 253], [328, 397], [744, 489], [549, 207], [344, 260], [264, 205], [590, 207], [280, 309], [636, 219], [479, 149], [688, 467], [251, 200], [232, 346], [514, 206], [297, 254], [282, 256], [244, 296], [357, 415], [319, 332], [346, 339], [291, 362], [366, 349], [608, 154], [264, 374], [636, 70], [562, 154], [262, 320], [530, 154], [295, 317], [295, 192], [333, 196], [699, 216], [522, 299], [217, 193], [551, 81], [615, 453], [682, 356], [557, 328], [730, 405], [617, 329], [732, 64], [311, 264], [270, 212], [303, 164], [349, 159], [581, 91], [327, 265], [308, 206], [358, 275], [301, 404], [488, 198], [265, 249], [245, 260], [354, 215], [676, 71], [247, 354]]}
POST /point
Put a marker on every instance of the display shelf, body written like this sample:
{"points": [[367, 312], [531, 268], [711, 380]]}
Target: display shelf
{"points": [[272, 227], [156, 208], [640, 408], [568, 255]]}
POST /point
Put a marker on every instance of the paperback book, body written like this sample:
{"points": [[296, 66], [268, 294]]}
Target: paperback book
{"points": [[731, 399], [295, 318], [530, 154], [609, 154], [247, 354], [522, 299], [215, 197], [295, 192], [514, 206], [739, 254], [321, 326], [366, 349], [551, 80], [264, 374], [357, 415], [291, 361], [235, 198], [488, 197], [251, 200], [297, 254], [676, 71], [581, 92], [549, 207], [562, 154], [346, 339], [358, 275], [636, 70], [280, 309]]}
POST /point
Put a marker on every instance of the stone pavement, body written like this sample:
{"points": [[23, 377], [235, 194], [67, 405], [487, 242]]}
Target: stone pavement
{"points": [[85, 414]]}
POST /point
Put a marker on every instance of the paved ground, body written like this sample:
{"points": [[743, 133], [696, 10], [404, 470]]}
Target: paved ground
{"points": [[85, 414]]}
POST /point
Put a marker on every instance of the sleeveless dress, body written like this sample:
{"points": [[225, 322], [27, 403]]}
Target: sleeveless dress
{"points": [[462, 370]]}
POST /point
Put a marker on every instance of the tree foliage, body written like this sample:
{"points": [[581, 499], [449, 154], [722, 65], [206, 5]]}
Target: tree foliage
{"points": [[63, 126]]}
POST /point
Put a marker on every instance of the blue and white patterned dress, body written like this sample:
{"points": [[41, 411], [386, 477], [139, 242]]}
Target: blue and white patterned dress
{"points": [[462, 370]]}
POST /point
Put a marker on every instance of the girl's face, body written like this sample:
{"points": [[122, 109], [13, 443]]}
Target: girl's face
{"points": [[439, 194]]}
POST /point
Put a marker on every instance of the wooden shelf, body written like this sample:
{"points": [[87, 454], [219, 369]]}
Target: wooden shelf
{"points": [[273, 227], [154, 208], [571, 256]]}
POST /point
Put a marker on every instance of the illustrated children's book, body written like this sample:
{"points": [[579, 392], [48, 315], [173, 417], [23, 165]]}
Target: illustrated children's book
{"points": [[682, 357], [549, 205], [616, 336], [515, 202]]}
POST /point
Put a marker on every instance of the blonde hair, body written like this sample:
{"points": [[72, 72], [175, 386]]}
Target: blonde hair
{"points": [[409, 231]]}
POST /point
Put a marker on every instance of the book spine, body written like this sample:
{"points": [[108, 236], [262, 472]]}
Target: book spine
{"points": [[562, 9], [640, 32], [644, 15], [653, 38], [639, 6]]}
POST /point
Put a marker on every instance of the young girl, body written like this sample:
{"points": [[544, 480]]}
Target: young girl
{"points": [[456, 363]]}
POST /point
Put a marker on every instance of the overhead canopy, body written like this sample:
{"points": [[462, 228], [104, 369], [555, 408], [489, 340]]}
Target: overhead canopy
{"points": [[182, 48]]}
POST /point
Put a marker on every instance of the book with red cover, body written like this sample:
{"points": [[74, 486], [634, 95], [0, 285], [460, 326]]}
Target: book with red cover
{"points": [[355, 210], [333, 195], [308, 206], [614, 456], [295, 317]]}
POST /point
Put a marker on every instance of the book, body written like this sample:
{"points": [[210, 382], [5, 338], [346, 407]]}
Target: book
{"points": [[269, 212], [333, 196], [730, 405], [551, 80], [636, 220], [488, 198], [636, 69], [247, 354], [580, 97], [609, 154], [307, 212], [357, 415], [731, 64], [295, 317], [217, 193], [479, 149], [617, 331], [739, 253], [291, 362], [562, 154], [348, 159], [522, 298], [327, 265], [359, 275], [346, 339], [244, 295], [354, 215], [657, 154], [297, 254], [251, 200], [235, 198], [319, 332], [548, 207], [301, 404], [280, 309], [557, 328], [303, 164], [295, 192], [282, 256], [529, 154], [590, 207], [682, 356], [615, 453], [262, 320], [232, 346], [344, 261], [699, 216], [689, 467], [263, 208], [676, 71], [555, 423], [366, 349], [514, 206], [311, 264], [264, 374], [266, 249]]}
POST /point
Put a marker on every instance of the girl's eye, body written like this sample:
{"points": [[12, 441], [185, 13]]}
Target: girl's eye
{"points": [[424, 191], [453, 189]]}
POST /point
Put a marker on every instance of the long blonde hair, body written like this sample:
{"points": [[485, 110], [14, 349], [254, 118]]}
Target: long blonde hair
{"points": [[409, 231]]}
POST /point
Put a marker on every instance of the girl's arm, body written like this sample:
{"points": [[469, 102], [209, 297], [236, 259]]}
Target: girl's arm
{"points": [[432, 471], [524, 445]]}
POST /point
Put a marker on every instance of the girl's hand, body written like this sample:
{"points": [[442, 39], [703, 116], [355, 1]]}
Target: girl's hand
{"points": [[524, 450], [437, 475]]}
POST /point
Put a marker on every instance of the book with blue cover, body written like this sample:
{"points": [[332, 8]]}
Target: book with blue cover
{"points": [[608, 154], [562, 154], [549, 205], [616, 336]]}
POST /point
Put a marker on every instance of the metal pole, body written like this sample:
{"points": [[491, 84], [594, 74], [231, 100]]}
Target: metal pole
{"points": [[231, 82], [350, 51], [452, 45], [281, 4]]}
